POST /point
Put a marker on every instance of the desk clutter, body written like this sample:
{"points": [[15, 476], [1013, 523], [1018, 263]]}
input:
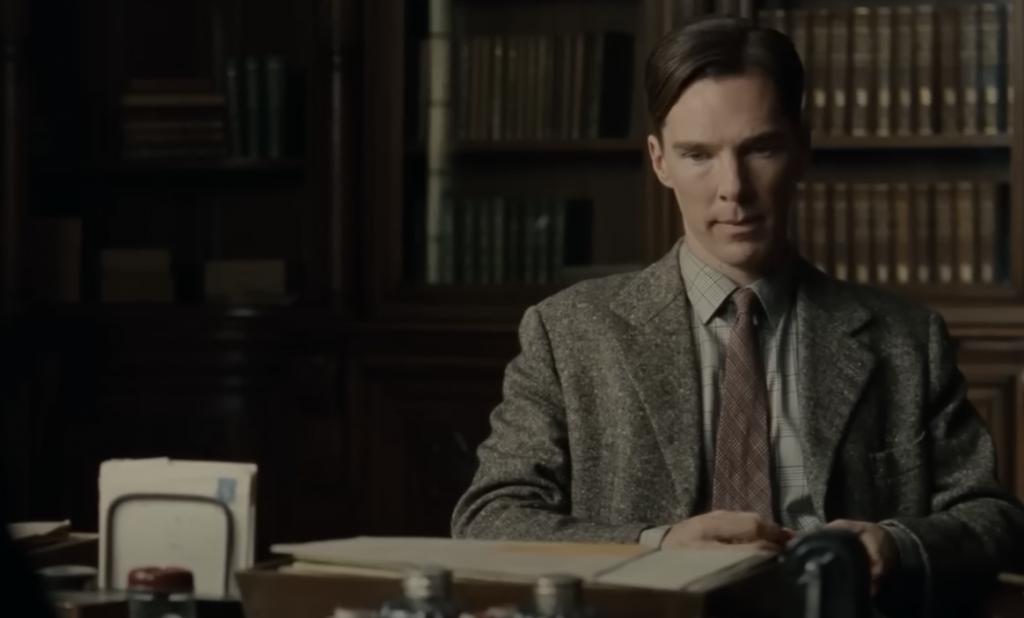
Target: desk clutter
{"points": [[389, 576], [445, 578], [427, 592], [177, 539]]}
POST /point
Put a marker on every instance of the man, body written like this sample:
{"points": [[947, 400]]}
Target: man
{"points": [[731, 393]]}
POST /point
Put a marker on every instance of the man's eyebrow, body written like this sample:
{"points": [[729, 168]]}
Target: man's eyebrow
{"points": [[683, 146], [769, 135]]}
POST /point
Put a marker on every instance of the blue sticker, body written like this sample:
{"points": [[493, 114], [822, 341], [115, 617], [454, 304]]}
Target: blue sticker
{"points": [[226, 490]]}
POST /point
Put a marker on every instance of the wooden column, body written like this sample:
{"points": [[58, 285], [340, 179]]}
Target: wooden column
{"points": [[13, 152]]}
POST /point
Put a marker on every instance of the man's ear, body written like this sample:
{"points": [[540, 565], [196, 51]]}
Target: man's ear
{"points": [[657, 154]]}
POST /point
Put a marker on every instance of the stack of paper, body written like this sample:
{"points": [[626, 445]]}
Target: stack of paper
{"points": [[190, 514], [614, 565], [38, 533]]}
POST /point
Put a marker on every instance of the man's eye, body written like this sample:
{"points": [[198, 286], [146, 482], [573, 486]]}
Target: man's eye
{"points": [[695, 156], [764, 150]]}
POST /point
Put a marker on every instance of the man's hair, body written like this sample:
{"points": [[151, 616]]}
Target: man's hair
{"points": [[719, 46]]}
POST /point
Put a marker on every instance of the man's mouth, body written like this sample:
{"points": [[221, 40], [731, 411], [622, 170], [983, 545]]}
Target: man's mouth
{"points": [[747, 222]]}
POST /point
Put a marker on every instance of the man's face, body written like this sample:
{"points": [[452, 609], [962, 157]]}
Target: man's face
{"points": [[733, 160]]}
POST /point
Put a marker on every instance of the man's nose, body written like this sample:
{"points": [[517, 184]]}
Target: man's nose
{"points": [[732, 179]]}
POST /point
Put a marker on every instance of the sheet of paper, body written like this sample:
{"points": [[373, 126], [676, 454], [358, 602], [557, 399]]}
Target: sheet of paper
{"points": [[468, 559], [218, 511], [685, 569], [39, 532]]}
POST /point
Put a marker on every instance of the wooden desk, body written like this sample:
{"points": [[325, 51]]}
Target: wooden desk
{"points": [[1005, 601], [113, 605]]}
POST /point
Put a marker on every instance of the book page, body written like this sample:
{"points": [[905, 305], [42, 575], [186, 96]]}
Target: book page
{"points": [[469, 559], [684, 569]]}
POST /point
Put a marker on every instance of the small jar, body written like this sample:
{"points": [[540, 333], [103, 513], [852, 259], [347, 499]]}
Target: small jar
{"points": [[161, 592]]}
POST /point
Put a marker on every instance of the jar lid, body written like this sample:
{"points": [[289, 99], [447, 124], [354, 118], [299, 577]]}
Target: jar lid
{"points": [[160, 579]]}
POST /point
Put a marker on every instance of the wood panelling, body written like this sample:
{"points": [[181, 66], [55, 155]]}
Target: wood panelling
{"points": [[995, 390], [217, 386], [415, 424], [13, 148]]}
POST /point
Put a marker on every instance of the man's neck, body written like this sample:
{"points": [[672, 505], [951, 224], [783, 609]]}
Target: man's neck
{"points": [[741, 276]]}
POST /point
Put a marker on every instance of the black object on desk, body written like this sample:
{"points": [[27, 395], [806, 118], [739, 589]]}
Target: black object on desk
{"points": [[827, 575]]}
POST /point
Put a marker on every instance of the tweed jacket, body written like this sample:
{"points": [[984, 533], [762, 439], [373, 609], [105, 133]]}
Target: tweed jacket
{"points": [[598, 436]]}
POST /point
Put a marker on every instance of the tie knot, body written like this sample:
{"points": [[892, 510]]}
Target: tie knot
{"points": [[746, 301]]}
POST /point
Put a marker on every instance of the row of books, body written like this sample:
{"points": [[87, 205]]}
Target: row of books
{"points": [[871, 71], [505, 240], [257, 107], [172, 118], [889, 233], [190, 118], [904, 70], [568, 86], [678, 12], [147, 276], [904, 233]]}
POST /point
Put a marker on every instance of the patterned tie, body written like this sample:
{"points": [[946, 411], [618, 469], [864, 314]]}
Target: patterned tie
{"points": [[742, 477]]}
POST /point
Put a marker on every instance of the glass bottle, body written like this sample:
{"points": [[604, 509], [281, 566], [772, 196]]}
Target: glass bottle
{"points": [[427, 593], [558, 596], [161, 592]]}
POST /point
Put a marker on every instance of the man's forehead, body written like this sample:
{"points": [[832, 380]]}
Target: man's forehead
{"points": [[724, 105]]}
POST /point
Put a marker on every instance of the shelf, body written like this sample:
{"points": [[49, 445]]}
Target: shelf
{"points": [[197, 166], [908, 142], [177, 312], [637, 146], [532, 146]]}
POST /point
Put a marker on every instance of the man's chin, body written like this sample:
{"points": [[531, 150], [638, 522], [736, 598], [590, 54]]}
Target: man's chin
{"points": [[746, 255]]}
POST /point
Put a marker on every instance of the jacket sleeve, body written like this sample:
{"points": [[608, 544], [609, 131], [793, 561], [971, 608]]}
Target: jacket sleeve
{"points": [[976, 526], [522, 487]]}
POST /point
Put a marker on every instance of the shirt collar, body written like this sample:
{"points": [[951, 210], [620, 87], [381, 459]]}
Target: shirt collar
{"points": [[708, 289]]}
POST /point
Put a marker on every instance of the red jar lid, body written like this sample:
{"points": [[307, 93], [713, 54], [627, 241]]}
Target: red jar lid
{"points": [[160, 579]]}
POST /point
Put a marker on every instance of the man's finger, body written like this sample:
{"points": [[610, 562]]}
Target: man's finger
{"points": [[770, 531], [742, 528], [729, 527]]}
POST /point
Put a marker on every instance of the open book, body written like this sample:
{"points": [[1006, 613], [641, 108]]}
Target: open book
{"points": [[613, 565]]}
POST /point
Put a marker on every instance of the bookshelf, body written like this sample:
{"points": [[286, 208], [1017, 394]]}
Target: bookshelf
{"points": [[934, 82], [513, 168], [179, 160]]}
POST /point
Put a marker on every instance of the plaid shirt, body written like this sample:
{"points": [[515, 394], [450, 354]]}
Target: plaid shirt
{"points": [[708, 291]]}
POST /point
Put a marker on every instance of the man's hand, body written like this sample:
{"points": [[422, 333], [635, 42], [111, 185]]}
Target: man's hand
{"points": [[726, 529], [883, 552]]}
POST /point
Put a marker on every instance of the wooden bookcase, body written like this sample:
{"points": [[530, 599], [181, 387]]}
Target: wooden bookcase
{"points": [[204, 131], [912, 112]]}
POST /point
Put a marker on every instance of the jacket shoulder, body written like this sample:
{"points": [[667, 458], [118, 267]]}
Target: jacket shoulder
{"points": [[586, 298], [894, 312]]}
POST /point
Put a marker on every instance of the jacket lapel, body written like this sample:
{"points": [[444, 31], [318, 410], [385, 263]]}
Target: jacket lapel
{"points": [[658, 351], [835, 366]]}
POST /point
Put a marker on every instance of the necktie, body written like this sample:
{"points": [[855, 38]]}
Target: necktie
{"points": [[742, 475]]}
